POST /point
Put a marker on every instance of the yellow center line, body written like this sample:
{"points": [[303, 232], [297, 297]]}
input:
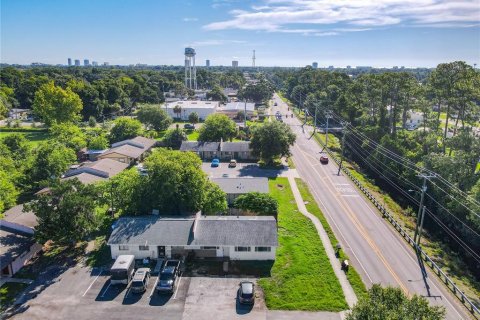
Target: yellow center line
{"points": [[360, 228]]}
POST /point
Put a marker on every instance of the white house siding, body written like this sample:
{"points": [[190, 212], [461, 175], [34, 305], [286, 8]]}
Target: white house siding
{"points": [[222, 251], [20, 261], [202, 112]]}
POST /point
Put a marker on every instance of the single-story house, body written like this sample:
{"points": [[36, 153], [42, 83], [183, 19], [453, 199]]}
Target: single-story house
{"points": [[129, 151], [231, 237], [89, 154], [16, 238], [235, 187], [231, 109], [222, 150], [202, 108], [17, 113], [91, 172]]}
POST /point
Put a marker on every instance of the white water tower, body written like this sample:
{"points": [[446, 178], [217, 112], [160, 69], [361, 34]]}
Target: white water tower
{"points": [[190, 70]]}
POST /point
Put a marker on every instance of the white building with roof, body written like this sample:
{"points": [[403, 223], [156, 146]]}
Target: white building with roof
{"points": [[186, 107], [233, 237]]}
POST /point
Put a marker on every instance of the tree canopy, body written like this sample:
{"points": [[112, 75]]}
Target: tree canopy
{"points": [[153, 116], [257, 203], [56, 105], [125, 128], [216, 127], [173, 138], [272, 140], [392, 304]]}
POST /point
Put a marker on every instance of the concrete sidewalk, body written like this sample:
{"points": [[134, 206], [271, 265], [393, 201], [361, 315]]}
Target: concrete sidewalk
{"points": [[346, 287]]}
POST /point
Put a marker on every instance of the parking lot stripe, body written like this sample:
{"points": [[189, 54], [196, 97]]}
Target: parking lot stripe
{"points": [[178, 286], [153, 289], [106, 289], [91, 284]]}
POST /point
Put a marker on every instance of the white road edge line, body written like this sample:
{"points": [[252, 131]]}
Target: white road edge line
{"points": [[153, 289], [178, 286], [91, 284], [109, 284]]}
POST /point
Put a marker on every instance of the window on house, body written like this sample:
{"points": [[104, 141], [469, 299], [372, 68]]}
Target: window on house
{"points": [[143, 248], [208, 248], [242, 249], [263, 249], [122, 247]]}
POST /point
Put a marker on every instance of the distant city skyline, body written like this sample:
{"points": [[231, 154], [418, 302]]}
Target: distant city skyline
{"points": [[410, 33]]}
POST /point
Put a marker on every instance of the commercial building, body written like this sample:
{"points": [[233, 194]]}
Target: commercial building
{"points": [[235, 64], [77, 62], [231, 109], [86, 62], [69, 62], [230, 237], [221, 150], [315, 65], [182, 109], [207, 63]]}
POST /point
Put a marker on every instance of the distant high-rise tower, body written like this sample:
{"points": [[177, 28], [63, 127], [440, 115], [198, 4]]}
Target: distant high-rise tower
{"points": [[86, 62], [315, 65], [94, 63], [77, 62], [253, 59], [105, 63], [207, 63], [69, 62], [190, 69], [235, 64]]}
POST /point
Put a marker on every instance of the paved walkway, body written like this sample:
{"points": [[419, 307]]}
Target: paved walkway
{"points": [[346, 287], [18, 280]]}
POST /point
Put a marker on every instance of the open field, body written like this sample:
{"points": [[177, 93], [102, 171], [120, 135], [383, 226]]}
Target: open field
{"points": [[302, 277], [35, 136]]}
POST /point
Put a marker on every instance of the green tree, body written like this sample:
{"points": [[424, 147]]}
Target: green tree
{"points": [[125, 128], [92, 122], [258, 93], [66, 214], [152, 116], [259, 203], [70, 135], [178, 111], [56, 105], [99, 142], [272, 140], [193, 117], [8, 191], [215, 199], [392, 304], [174, 137], [18, 146], [216, 127], [123, 192], [216, 94], [51, 160]]}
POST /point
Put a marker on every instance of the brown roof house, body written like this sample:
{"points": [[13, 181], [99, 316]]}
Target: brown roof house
{"points": [[17, 245], [129, 151]]}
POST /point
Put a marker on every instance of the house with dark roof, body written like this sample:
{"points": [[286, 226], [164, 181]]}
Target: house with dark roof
{"points": [[230, 237], [129, 151], [239, 150], [17, 245], [237, 186]]}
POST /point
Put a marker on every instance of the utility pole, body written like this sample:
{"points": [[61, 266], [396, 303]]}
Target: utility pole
{"points": [[315, 122], [245, 114], [344, 124], [328, 115], [421, 210]]}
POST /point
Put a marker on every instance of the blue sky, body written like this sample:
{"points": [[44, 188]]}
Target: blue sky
{"points": [[283, 32]]}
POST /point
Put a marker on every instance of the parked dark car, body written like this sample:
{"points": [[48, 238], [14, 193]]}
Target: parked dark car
{"points": [[168, 276], [189, 126], [246, 292]]}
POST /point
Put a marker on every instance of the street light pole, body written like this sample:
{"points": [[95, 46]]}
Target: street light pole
{"points": [[344, 124], [328, 115]]}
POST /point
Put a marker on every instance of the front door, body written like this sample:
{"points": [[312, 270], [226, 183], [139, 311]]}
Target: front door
{"points": [[235, 155], [161, 251]]}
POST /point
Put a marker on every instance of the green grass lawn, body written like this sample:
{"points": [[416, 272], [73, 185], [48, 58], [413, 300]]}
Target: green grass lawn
{"points": [[192, 135], [478, 167], [301, 277], [8, 293], [352, 275], [33, 136]]}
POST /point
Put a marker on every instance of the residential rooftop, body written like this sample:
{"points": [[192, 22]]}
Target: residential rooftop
{"points": [[242, 185]]}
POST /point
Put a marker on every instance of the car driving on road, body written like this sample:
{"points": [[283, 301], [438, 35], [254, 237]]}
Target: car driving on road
{"points": [[324, 159], [215, 163]]}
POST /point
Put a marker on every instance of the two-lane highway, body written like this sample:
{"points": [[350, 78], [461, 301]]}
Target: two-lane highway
{"points": [[377, 251]]}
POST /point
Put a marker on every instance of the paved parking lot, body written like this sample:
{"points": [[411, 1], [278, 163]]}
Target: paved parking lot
{"points": [[242, 170]]}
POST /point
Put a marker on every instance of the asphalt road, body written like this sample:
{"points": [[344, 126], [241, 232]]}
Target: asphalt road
{"points": [[376, 250]]}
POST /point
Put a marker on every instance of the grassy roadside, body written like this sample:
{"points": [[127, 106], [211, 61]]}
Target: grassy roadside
{"points": [[352, 275], [301, 277], [443, 256]]}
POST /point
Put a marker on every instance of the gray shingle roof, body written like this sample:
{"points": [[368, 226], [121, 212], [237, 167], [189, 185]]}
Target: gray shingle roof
{"points": [[13, 243], [198, 146], [242, 185], [236, 231], [240, 146], [152, 230]]}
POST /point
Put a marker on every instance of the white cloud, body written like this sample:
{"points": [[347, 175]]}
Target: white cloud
{"points": [[190, 19], [324, 16], [208, 43]]}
